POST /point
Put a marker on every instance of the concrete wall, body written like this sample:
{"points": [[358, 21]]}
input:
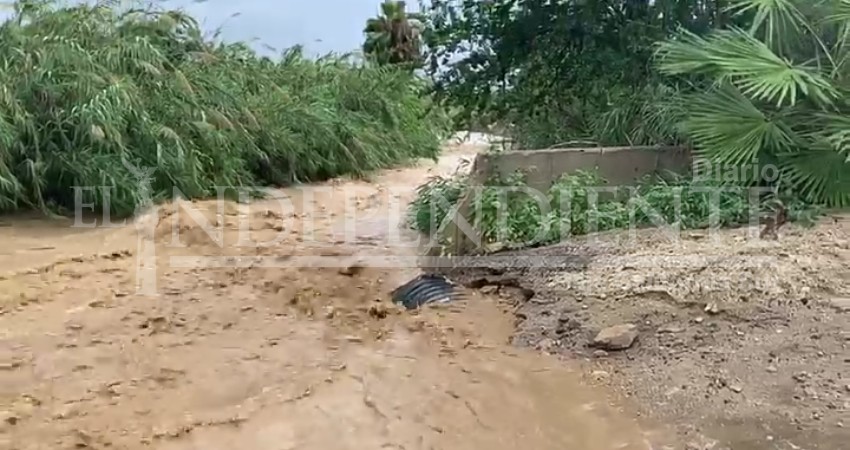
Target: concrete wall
{"points": [[618, 165]]}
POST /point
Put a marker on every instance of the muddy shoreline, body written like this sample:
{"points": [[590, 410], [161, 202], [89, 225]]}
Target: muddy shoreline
{"points": [[753, 356]]}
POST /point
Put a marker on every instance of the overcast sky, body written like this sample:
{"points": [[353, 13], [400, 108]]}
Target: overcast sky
{"points": [[320, 25]]}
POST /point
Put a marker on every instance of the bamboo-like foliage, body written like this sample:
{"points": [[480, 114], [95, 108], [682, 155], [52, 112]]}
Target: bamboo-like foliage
{"points": [[84, 88], [779, 93]]}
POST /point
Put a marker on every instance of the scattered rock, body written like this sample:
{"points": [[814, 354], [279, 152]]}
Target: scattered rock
{"points": [[415, 326], [330, 312], [351, 270], [566, 324], [490, 289], [840, 304], [379, 311], [516, 294], [670, 329], [9, 418], [740, 300], [600, 376], [156, 324], [618, 337], [801, 377], [97, 304], [719, 383], [810, 392], [546, 344]]}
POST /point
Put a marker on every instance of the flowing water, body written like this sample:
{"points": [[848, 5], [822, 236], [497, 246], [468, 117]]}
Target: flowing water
{"points": [[272, 358]]}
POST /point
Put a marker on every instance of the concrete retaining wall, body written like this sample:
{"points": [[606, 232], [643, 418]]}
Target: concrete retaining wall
{"points": [[618, 165]]}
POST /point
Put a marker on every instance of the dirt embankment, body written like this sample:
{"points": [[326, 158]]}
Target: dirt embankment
{"points": [[742, 343]]}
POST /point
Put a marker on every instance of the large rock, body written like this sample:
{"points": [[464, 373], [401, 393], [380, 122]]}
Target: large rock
{"points": [[618, 337]]}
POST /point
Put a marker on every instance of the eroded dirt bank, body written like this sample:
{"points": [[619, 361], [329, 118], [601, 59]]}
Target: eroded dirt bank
{"points": [[740, 343], [263, 357]]}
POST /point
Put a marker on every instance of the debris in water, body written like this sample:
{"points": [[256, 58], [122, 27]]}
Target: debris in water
{"points": [[425, 289], [351, 270]]}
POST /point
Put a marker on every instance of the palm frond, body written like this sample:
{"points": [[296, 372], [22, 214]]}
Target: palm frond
{"points": [[819, 173], [736, 56], [780, 93], [729, 130]]}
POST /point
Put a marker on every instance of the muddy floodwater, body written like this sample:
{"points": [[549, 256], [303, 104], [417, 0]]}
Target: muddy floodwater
{"points": [[273, 356]]}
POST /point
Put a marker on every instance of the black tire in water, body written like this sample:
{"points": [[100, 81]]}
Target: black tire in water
{"points": [[425, 289]]}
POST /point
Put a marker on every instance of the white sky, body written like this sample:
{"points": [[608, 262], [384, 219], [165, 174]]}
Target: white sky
{"points": [[321, 26]]}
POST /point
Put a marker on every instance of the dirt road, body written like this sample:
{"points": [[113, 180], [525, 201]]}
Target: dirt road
{"points": [[270, 357]]}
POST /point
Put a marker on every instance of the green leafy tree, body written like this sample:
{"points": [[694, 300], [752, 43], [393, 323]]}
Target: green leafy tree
{"points": [[778, 93], [561, 71], [394, 36]]}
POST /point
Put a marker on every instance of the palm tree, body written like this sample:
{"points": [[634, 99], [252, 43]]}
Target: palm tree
{"points": [[776, 93], [394, 36]]}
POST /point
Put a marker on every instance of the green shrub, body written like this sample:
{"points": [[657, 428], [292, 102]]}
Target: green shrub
{"points": [[85, 88], [434, 200], [505, 214]]}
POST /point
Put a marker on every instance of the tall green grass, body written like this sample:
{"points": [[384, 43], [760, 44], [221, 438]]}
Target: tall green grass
{"points": [[83, 89]]}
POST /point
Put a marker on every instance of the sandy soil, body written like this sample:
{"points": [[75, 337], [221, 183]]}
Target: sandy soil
{"points": [[265, 357], [741, 343]]}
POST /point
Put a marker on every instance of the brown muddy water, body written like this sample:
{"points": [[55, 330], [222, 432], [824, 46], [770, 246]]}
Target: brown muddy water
{"points": [[271, 357]]}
